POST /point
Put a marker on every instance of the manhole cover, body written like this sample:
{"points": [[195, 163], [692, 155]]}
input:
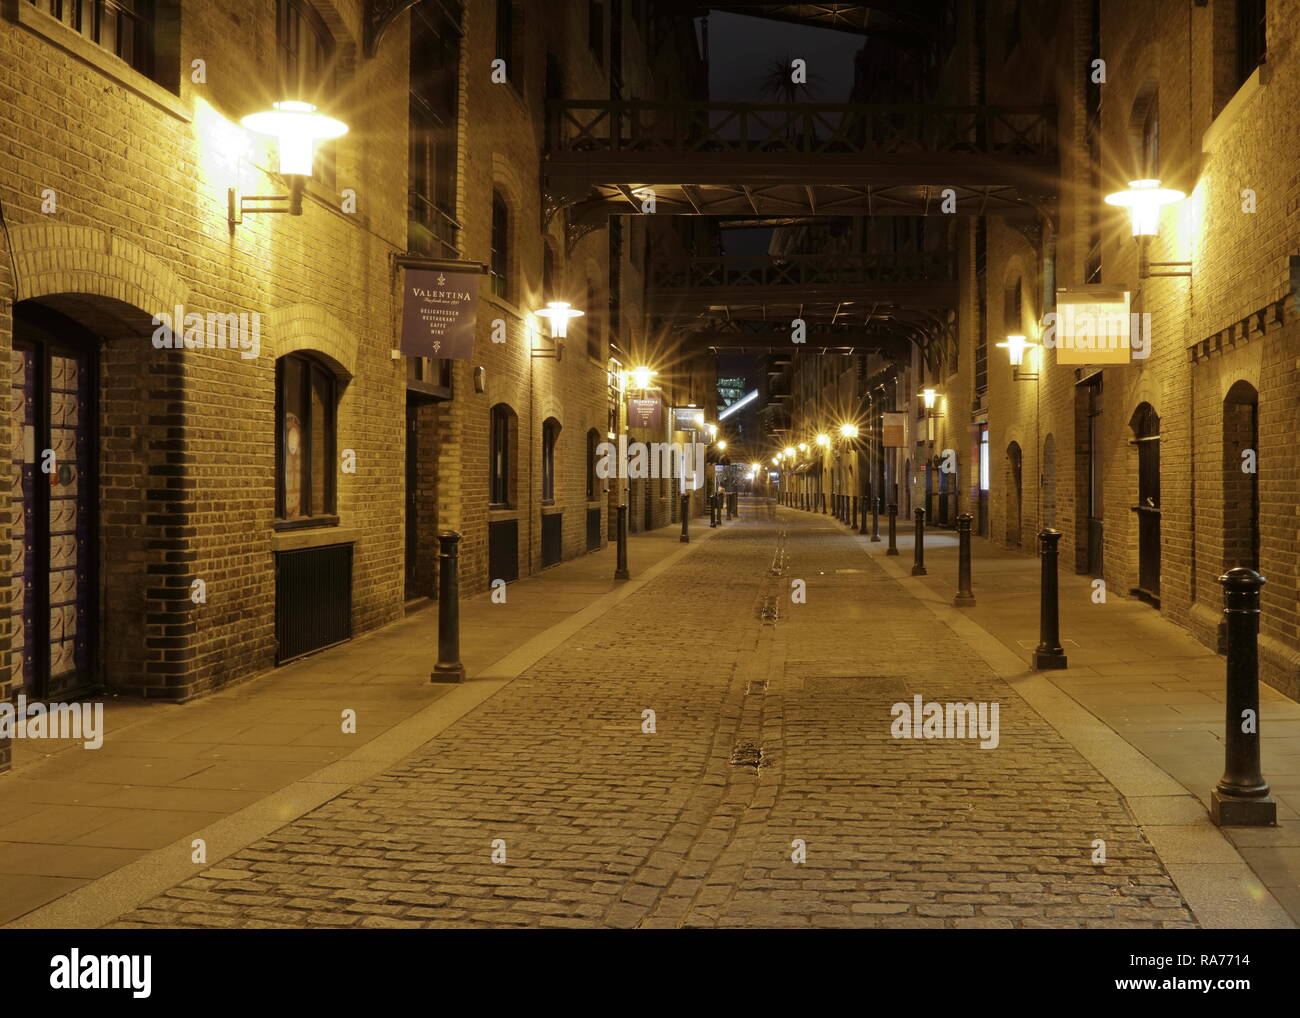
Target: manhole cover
{"points": [[747, 754]]}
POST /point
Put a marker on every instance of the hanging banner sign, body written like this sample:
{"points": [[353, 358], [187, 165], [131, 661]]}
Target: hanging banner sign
{"points": [[438, 313], [894, 431], [1092, 326], [645, 413]]}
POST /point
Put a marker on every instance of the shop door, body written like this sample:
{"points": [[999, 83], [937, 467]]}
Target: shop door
{"points": [[53, 482]]}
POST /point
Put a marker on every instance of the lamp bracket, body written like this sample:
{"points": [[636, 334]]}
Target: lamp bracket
{"points": [[239, 204]]}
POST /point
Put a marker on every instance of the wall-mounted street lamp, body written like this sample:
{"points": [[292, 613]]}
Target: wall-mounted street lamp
{"points": [[296, 127], [1015, 347], [848, 431], [722, 445], [803, 446], [713, 432], [928, 396], [824, 440], [558, 313], [1144, 199], [788, 451]]}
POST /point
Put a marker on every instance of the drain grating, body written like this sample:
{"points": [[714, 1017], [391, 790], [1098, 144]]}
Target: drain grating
{"points": [[767, 611], [747, 754], [756, 686]]}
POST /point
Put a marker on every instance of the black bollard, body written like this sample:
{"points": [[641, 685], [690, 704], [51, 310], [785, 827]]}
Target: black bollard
{"points": [[918, 545], [713, 510], [875, 520], [1049, 653], [964, 598], [862, 516], [822, 496], [853, 521], [893, 530], [1241, 798], [686, 519], [620, 569], [449, 667]]}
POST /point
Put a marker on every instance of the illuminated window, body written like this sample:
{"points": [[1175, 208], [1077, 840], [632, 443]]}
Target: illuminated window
{"points": [[123, 27], [306, 403]]}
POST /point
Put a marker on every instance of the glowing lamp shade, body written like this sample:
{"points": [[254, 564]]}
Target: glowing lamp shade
{"points": [[558, 313], [641, 377], [1016, 347], [713, 431], [848, 431], [803, 446], [789, 451], [823, 440], [722, 445], [928, 398], [296, 127], [1144, 199]]}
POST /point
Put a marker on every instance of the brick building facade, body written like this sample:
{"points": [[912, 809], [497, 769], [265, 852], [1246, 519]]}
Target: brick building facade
{"points": [[1164, 471], [194, 532]]}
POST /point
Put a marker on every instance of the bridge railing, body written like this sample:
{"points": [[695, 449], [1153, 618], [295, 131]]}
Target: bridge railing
{"points": [[850, 128], [764, 271]]}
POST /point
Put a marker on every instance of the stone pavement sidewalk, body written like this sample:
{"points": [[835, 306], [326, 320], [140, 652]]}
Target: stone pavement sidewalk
{"points": [[165, 773], [1157, 688]]}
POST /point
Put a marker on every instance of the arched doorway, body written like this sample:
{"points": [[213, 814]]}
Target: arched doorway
{"points": [[1241, 477], [1146, 437], [1015, 494], [54, 476]]}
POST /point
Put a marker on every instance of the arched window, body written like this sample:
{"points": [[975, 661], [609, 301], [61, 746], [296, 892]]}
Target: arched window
{"points": [[499, 469], [593, 482], [550, 433], [306, 418], [1144, 129]]}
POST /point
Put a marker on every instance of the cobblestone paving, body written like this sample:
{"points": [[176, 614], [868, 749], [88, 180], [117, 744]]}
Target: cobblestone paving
{"points": [[605, 825]]}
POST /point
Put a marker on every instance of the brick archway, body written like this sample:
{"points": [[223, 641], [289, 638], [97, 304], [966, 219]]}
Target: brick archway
{"points": [[305, 326]]}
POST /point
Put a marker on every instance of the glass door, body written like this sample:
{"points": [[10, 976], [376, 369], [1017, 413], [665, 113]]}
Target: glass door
{"points": [[53, 483]]}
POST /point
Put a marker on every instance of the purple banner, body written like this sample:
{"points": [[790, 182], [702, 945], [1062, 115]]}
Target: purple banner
{"points": [[645, 413], [438, 313]]}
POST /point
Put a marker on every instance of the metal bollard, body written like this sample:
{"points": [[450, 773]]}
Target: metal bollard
{"points": [[875, 520], [893, 530], [449, 667], [822, 497], [713, 510], [853, 520], [1241, 797], [686, 520], [620, 569], [964, 598], [918, 544], [1049, 653]]}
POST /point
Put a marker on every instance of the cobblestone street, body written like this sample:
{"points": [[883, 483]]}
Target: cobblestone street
{"points": [[603, 824]]}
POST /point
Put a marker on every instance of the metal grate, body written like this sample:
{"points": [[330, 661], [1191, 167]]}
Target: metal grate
{"points": [[313, 599]]}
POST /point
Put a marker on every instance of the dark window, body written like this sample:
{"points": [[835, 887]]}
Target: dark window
{"points": [[509, 43], [123, 27], [1093, 90], [1011, 25], [596, 30], [595, 341], [615, 274], [981, 279], [500, 246], [434, 73], [499, 469], [1251, 36], [548, 273], [1150, 153], [550, 432], [306, 52], [593, 445], [306, 403]]}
